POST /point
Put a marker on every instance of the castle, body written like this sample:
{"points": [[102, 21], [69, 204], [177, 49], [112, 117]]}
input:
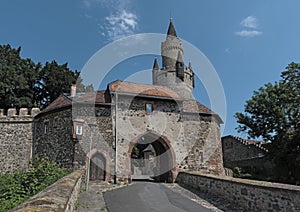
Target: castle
{"points": [[126, 130]]}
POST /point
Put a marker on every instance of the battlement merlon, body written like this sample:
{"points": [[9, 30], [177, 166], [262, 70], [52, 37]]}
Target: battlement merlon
{"points": [[24, 113]]}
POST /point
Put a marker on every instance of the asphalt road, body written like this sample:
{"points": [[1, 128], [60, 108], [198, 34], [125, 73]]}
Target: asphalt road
{"points": [[149, 197]]}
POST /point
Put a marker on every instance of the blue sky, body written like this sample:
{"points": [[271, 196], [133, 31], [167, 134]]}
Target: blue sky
{"points": [[248, 42]]}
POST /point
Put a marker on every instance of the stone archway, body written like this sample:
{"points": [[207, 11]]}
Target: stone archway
{"points": [[99, 165], [97, 168], [164, 169]]}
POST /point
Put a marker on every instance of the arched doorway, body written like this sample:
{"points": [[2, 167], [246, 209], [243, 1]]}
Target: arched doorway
{"points": [[99, 169], [151, 156]]}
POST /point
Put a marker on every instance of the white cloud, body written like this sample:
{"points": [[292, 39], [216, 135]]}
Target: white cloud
{"points": [[120, 24], [250, 22], [248, 33]]}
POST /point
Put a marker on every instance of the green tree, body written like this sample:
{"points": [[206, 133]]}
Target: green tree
{"points": [[18, 78], [273, 114], [81, 87], [55, 79], [24, 83]]}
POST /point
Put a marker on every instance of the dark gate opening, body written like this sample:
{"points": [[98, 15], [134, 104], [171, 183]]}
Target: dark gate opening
{"points": [[151, 159], [97, 167]]}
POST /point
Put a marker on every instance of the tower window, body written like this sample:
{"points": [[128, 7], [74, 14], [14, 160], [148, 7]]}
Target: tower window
{"points": [[78, 129], [149, 108]]}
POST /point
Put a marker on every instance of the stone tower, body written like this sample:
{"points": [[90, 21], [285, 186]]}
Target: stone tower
{"points": [[174, 74]]}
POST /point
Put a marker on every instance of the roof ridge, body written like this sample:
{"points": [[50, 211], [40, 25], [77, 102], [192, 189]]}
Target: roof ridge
{"points": [[247, 143], [64, 96]]}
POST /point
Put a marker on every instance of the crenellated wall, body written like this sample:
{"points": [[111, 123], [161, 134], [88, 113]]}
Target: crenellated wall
{"points": [[16, 138]]}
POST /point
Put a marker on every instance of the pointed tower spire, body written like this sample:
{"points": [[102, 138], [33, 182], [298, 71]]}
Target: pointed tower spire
{"points": [[173, 73], [190, 65], [171, 29], [155, 71], [155, 65]]}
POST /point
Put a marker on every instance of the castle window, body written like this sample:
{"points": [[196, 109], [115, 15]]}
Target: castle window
{"points": [[149, 108], [201, 157], [79, 129], [46, 127]]}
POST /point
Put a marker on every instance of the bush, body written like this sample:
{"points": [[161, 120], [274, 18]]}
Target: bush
{"points": [[16, 188]]}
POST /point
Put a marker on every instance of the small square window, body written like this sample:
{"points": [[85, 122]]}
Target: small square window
{"points": [[78, 129], [149, 108]]}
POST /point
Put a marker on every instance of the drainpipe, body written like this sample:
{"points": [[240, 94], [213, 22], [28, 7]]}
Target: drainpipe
{"points": [[116, 146]]}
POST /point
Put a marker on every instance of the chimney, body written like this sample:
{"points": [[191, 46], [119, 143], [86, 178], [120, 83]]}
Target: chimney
{"points": [[73, 90]]}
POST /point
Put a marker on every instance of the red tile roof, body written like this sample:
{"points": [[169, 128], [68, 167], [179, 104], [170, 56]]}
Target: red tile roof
{"points": [[64, 100], [190, 106], [60, 102], [195, 107], [142, 89], [90, 97]]}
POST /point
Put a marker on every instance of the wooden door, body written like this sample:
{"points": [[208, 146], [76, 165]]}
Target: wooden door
{"points": [[97, 168]]}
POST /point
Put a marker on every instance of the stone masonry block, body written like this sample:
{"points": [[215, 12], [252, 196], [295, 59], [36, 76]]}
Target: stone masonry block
{"points": [[11, 112], [23, 112], [35, 111]]}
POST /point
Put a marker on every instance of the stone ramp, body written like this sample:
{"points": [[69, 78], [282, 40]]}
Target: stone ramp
{"points": [[92, 200]]}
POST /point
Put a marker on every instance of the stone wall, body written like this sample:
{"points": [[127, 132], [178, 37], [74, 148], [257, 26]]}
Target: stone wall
{"points": [[194, 138], [109, 129], [251, 157], [235, 150], [249, 194], [15, 138], [262, 166], [102, 140], [168, 78], [202, 135], [60, 196], [53, 137], [61, 144]]}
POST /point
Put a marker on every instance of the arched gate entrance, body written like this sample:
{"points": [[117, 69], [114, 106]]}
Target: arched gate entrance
{"points": [[151, 156]]}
